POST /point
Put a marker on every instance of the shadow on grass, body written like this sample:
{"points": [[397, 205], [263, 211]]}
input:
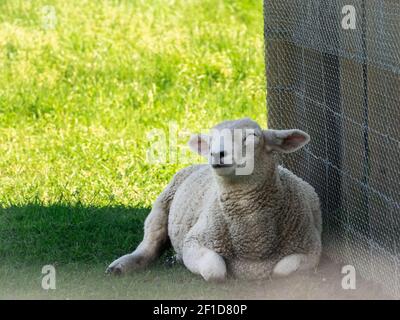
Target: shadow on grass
{"points": [[81, 241], [61, 234]]}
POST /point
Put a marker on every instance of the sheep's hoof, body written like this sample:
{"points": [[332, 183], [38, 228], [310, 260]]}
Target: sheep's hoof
{"points": [[287, 265], [115, 270], [217, 278], [124, 264], [215, 270]]}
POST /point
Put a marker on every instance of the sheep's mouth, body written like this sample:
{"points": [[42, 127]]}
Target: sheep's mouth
{"points": [[217, 166]]}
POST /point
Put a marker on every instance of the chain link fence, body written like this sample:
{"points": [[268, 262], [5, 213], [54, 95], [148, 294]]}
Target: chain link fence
{"points": [[342, 86]]}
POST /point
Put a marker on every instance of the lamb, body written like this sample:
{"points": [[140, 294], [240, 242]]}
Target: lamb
{"points": [[266, 222]]}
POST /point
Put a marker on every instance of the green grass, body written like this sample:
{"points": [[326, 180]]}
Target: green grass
{"points": [[77, 103]]}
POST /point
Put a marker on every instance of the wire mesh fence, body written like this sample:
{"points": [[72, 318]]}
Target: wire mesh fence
{"points": [[342, 86]]}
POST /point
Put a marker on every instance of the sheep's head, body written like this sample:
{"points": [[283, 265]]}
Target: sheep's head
{"points": [[236, 148]]}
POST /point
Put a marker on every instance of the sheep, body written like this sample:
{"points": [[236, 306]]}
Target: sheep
{"points": [[260, 224]]}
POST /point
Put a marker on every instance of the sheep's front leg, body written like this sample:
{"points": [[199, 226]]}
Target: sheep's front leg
{"points": [[155, 238], [201, 260]]}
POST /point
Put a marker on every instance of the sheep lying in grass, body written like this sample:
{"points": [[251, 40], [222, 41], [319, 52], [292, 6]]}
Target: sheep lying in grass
{"points": [[252, 225]]}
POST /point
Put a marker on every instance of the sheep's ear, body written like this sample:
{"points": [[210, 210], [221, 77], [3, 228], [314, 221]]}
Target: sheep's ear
{"points": [[199, 143], [285, 141]]}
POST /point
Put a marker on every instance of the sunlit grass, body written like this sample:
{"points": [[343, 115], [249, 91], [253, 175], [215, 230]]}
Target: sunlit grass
{"points": [[76, 102]]}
